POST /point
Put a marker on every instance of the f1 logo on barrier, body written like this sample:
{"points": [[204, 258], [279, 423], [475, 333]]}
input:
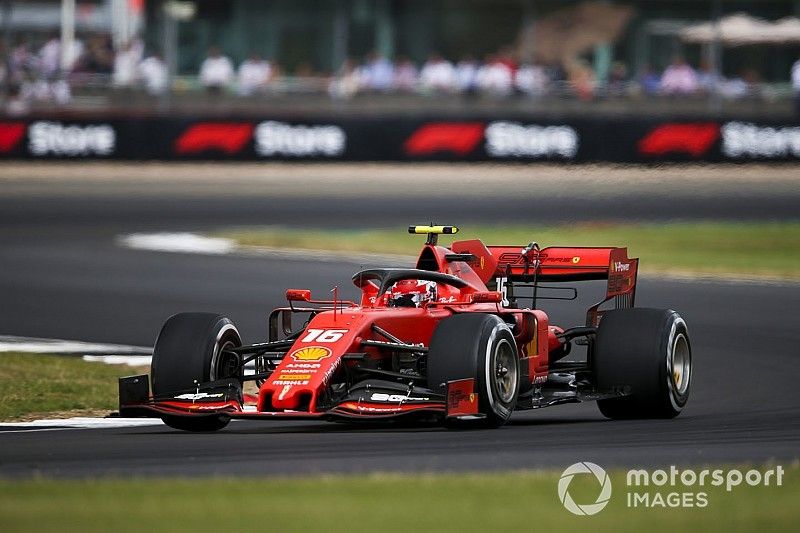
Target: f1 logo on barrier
{"points": [[52, 138], [460, 138], [694, 139], [227, 137], [503, 140], [11, 134], [271, 138]]}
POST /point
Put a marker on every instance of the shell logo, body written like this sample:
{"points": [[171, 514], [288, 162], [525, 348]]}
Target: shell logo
{"points": [[576, 259], [311, 353]]}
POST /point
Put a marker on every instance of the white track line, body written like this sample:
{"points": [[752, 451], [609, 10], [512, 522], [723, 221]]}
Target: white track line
{"points": [[130, 360], [194, 243], [178, 242], [77, 423], [10, 343], [112, 354]]}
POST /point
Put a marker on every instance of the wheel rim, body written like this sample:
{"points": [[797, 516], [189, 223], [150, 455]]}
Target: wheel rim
{"points": [[224, 364], [505, 371], [227, 364], [681, 364]]}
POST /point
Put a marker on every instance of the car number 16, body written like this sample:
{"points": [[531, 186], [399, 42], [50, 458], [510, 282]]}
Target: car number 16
{"points": [[323, 335]]}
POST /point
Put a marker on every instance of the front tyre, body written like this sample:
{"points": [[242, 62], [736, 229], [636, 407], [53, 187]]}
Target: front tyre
{"points": [[648, 352], [190, 349], [482, 347]]}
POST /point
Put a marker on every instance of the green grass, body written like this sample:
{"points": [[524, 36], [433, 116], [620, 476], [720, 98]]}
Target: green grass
{"points": [[37, 386], [754, 249], [513, 502]]}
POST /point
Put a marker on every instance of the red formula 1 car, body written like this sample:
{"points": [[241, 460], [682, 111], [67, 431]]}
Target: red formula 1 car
{"points": [[448, 341]]}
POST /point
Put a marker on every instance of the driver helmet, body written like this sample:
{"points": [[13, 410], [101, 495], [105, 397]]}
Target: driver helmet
{"points": [[411, 293]]}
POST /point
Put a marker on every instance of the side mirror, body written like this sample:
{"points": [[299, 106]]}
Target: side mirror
{"points": [[298, 295], [487, 297]]}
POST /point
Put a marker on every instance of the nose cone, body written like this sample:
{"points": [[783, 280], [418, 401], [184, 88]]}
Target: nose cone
{"points": [[307, 368], [301, 374]]}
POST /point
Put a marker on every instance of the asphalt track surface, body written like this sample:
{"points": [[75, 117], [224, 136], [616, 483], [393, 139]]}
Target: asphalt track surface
{"points": [[63, 277]]}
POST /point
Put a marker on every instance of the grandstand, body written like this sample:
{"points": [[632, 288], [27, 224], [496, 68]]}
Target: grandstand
{"points": [[374, 56]]}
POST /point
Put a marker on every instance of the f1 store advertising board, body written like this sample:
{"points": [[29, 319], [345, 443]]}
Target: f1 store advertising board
{"points": [[400, 139]]}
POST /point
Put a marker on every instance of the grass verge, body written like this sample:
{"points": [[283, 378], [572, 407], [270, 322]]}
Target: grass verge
{"points": [[752, 249], [41, 386], [520, 501]]}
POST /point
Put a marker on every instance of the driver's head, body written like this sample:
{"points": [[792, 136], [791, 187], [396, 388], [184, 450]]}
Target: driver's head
{"points": [[411, 293]]}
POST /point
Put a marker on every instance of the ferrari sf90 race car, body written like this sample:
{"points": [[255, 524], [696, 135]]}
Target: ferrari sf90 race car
{"points": [[459, 339]]}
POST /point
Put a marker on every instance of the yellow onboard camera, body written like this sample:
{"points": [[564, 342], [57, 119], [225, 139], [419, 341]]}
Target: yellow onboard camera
{"points": [[432, 232]]}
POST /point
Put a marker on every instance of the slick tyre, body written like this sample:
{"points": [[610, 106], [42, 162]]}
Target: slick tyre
{"points": [[482, 347], [190, 349], [647, 352]]}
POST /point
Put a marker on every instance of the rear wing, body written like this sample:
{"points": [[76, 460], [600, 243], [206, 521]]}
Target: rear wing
{"points": [[557, 264]]}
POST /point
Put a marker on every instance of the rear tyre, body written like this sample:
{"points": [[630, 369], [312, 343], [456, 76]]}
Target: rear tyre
{"points": [[648, 352], [482, 347], [189, 350]]}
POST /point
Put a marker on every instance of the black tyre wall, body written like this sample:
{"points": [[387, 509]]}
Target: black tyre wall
{"points": [[458, 350], [632, 350], [185, 348]]}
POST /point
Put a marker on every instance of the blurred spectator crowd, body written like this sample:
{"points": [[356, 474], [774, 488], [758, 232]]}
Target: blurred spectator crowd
{"points": [[502, 75], [497, 75], [32, 73]]}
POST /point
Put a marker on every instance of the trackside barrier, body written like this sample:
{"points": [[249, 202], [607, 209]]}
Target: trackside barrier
{"points": [[399, 139]]}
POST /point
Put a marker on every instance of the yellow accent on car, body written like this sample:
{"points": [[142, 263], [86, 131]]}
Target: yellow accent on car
{"points": [[437, 230]]}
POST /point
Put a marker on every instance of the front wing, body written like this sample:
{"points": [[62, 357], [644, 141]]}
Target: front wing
{"points": [[225, 398]]}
